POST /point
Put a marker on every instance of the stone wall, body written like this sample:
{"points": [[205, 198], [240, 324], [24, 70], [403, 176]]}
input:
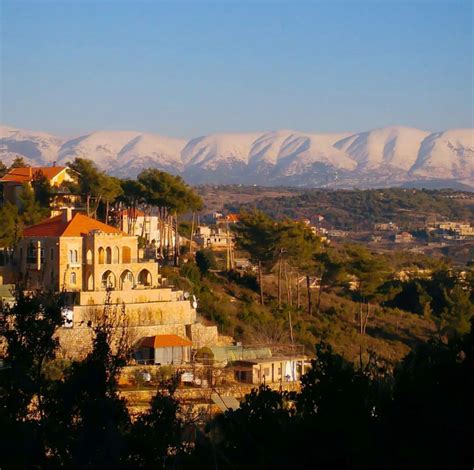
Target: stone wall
{"points": [[143, 314], [165, 294]]}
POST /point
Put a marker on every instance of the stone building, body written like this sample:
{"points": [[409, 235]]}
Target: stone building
{"points": [[215, 239], [96, 265]]}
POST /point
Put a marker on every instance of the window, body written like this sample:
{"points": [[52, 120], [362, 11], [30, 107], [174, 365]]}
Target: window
{"points": [[52, 254], [73, 256], [108, 255], [72, 278]]}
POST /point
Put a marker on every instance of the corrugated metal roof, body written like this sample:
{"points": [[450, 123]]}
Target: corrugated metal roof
{"points": [[232, 353]]}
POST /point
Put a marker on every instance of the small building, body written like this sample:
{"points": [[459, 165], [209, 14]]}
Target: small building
{"points": [[214, 239], [403, 237], [270, 370], [227, 219], [164, 350], [338, 233], [386, 227]]}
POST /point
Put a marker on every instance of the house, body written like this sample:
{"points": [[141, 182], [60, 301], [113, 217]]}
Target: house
{"points": [[72, 252], [164, 350], [403, 237], [214, 239], [338, 233], [386, 227], [227, 219], [460, 228], [148, 226], [57, 176], [270, 370], [98, 267]]}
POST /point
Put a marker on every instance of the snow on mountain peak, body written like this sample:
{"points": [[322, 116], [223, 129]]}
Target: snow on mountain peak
{"points": [[385, 156]]}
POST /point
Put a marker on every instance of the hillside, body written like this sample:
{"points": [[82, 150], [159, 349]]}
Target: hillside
{"points": [[377, 158], [356, 209], [232, 304]]}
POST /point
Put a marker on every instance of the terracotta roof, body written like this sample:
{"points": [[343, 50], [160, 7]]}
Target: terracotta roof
{"points": [[131, 213], [27, 173], [233, 217], [164, 341], [58, 227]]}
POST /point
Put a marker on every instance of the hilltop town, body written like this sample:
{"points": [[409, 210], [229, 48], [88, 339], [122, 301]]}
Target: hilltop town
{"points": [[219, 294]]}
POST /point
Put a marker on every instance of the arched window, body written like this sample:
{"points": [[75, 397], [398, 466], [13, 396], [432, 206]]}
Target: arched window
{"points": [[126, 280], [116, 255], [101, 255], [90, 282], [126, 254], [108, 255], [89, 256], [72, 278], [73, 256], [144, 278], [108, 280]]}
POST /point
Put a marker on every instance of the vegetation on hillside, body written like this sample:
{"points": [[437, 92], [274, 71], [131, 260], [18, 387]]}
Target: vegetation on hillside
{"points": [[345, 416], [360, 209]]}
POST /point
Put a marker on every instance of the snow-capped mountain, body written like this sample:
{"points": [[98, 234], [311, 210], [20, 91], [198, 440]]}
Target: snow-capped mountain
{"points": [[379, 157], [34, 147]]}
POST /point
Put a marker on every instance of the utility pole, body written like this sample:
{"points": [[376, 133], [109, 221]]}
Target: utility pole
{"points": [[308, 287]]}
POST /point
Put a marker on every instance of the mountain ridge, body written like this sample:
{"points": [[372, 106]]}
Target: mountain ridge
{"points": [[385, 156]]}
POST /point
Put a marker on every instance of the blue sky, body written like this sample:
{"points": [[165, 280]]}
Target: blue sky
{"points": [[191, 68]]}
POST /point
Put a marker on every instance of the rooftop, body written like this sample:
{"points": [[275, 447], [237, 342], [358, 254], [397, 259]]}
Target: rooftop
{"points": [[29, 173], [164, 341], [59, 226], [296, 357]]}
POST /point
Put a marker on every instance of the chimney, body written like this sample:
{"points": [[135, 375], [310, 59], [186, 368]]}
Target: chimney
{"points": [[66, 213]]}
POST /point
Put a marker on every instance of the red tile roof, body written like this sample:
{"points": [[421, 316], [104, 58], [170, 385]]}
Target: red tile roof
{"points": [[27, 173], [131, 213], [233, 217], [164, 341], [58, 227]]}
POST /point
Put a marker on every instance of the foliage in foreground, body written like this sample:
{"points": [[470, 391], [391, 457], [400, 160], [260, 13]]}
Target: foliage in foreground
{"points": [[346, 416]]}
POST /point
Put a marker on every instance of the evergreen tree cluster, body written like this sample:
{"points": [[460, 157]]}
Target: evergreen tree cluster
{"points": [[351, 417]]}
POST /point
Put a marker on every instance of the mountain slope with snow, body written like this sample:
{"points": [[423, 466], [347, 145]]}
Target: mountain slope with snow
{"points": [[393, 146], [37, 148], [379, 157]]}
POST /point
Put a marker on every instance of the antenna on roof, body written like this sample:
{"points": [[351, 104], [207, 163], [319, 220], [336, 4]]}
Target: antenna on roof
{"points": [[54, 163]]}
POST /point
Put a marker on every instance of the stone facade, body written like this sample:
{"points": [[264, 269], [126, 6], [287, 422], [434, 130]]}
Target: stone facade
{"points": [[100, 268]]}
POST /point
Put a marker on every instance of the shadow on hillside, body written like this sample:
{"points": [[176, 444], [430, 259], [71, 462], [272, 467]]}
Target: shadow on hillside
{"points": [[402, 335]]}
